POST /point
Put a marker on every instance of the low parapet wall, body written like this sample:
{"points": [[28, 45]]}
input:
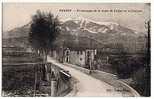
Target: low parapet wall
{"points": [[108, 78], [64, 85]]}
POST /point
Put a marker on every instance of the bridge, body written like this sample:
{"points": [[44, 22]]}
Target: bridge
{"points": [[87, 85]]}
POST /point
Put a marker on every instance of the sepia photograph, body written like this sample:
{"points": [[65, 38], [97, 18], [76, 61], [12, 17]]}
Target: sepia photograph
{"points": [[76, 50]]}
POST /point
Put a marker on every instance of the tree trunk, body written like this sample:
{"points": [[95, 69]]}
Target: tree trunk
{"points": [[44, 56], [45, 65]]}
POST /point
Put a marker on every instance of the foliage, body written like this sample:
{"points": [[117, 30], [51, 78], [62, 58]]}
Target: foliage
{"points": [[142, 81], [143, 75], [43, 31], [119, 62], [133, 66]]}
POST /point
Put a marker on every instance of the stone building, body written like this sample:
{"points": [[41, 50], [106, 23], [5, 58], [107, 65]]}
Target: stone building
{"points": [[80, 57]]}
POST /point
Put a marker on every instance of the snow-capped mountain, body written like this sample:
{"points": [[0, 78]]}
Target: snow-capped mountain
{"points": [[82, 30], [105, 32], [94, 26], [78, 25]]}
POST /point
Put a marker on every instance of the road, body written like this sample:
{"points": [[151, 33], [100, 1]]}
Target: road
{"points": [[87, 85]]}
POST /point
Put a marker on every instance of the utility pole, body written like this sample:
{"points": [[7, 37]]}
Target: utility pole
{"points": [[63, 51], [91, 53], [148, 60]]}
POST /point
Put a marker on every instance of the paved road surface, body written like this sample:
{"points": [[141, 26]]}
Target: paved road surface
{"points": [[87, 85]]}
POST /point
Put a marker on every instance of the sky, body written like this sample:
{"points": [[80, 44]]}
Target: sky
{"points": [[19, 14]]}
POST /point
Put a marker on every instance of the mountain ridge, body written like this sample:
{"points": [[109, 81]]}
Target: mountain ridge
{"points": [[81, 32]]}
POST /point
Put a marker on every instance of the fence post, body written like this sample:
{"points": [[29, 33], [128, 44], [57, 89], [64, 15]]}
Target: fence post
{"points": [[35, 71], [53, 84]]}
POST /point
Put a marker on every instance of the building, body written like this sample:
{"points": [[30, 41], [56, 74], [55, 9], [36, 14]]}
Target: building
{"points": [[80, 57]]}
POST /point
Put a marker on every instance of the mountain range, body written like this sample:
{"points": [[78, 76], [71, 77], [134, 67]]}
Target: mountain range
{"points": [[80, 32]]}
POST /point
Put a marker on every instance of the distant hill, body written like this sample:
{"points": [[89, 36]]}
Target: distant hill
{"points": [[22, 31]]}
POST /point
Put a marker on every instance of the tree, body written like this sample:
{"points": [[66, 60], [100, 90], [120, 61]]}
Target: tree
{"points": [[119, 63], [43, 31]]}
